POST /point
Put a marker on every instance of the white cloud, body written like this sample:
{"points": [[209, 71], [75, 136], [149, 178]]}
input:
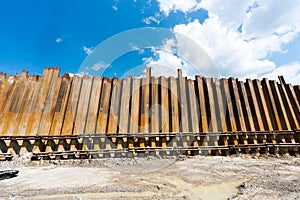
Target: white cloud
{"points": [[136, 48], [80, 74], [151, 19], [115, 8], [58, 40], [100, 65], [88, 50], [167, 6], [174, 55], [115, 5], [290, 72], [166, 63], [240, 36]]}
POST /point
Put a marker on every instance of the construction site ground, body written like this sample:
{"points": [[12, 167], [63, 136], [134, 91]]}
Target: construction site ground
{"points": [[199, 177]]}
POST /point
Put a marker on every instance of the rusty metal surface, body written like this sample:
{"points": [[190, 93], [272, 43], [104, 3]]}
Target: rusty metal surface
{"points": [[61, 106]]}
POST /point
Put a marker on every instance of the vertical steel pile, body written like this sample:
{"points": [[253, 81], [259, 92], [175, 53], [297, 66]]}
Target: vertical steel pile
{"points": [[52, 113]]}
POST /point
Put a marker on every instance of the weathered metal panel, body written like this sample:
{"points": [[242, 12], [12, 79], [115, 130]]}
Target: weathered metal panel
{"points": [[93, 106], [183, 92], [125, 106], [71, 109], [15, 107], [288, 104], [135, 105], [237, 104], [113, 104], [232, 121], [271, 104], [221, 103], [263, 106], [194, 107], [48, 111], [155, 107], [53, 105], [104, 104], [165, 109], [83, 105], [39, 102], [61, 105], [256, 113], [174, 104], [246, 107], [202, 102]]}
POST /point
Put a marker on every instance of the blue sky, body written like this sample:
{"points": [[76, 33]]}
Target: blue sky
{"points": [[242, 38]]}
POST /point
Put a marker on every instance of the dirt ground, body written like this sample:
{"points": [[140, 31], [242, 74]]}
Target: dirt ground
{"points": [[200, 177]]}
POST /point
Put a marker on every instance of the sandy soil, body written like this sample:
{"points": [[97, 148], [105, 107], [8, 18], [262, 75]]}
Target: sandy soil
{"points": [[198, 177]]}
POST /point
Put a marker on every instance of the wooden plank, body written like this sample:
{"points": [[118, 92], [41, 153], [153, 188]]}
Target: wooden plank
{"points": [[83, 105], [247, 108], [41, 96], [256, 110], [48, 110], [288, 105], [237, 103], [114, 112], [70, 113], [93, 106], [174, 104], [104, 104], [61, 105], [203, 112], [263, 105]]}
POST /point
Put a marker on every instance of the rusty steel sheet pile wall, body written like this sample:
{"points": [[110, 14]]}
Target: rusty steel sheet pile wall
{"points": [[83, 114]]}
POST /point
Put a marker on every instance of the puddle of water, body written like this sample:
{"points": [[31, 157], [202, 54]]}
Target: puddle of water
{"points": [[217, 191], [209, 192]]}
